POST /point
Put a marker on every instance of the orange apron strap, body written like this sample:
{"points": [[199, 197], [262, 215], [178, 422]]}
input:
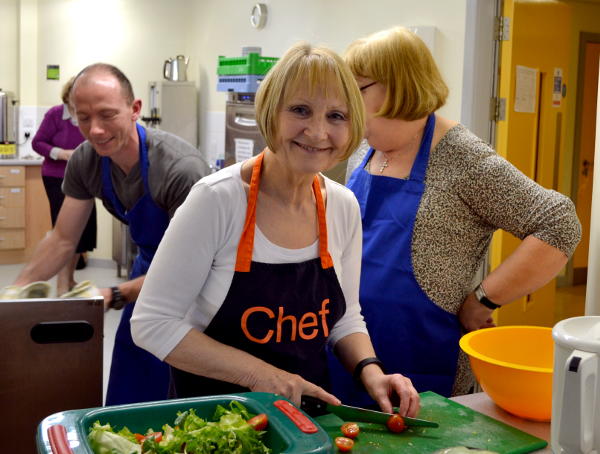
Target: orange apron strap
{"points": [[326, 260], [246, 245], [244, 252]]}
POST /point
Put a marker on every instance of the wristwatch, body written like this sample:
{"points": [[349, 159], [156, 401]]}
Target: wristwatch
{"points": [[117, 301], [483, 299]]}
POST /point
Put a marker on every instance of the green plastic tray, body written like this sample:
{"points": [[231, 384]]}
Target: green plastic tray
{"points": [[283, 435], [251, 64], [459, 426]]}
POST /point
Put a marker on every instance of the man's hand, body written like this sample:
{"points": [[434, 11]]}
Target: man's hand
{"points": [[473, 315], [107, 295]]}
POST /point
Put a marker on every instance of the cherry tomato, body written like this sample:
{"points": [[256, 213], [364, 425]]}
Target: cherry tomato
{"points": [[259, 422], [142, 438], [350, 430], [344, 444], [396, 423]]}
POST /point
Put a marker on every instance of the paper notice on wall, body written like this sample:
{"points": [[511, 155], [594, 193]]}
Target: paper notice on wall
{"points": [[557, 87], [525, 89], [243, 149]]}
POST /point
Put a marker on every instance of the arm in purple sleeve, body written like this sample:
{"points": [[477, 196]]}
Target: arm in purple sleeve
{"points": [[43, 140]]}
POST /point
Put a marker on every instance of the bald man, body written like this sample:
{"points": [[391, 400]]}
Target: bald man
{"points": [[141, 176]]}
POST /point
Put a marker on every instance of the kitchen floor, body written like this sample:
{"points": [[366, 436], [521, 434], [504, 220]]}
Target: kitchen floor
{"points": [[103, 273]]}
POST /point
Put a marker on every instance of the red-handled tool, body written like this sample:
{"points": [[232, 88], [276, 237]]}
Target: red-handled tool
{"points": [[57, 435], [296, 416]]}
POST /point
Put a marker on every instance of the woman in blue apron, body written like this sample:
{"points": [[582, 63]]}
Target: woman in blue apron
{"points": [[411, 334], [271, 270], [135, 374], [431, 196]]}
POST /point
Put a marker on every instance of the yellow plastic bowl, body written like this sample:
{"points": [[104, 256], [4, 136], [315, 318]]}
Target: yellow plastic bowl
{"points": [[513, 365]]}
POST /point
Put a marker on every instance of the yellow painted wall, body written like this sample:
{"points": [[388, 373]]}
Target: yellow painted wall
{"points": [[544, 46], [585, 18]]}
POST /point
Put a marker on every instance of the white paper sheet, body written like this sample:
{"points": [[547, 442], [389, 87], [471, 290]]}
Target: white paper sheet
{"points": [[525, 89]]}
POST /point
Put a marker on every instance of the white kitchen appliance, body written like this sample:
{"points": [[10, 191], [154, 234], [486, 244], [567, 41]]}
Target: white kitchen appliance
{"points": [[174, 108], [576, 386]]}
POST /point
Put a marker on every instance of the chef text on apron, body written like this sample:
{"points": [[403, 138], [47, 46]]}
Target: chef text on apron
{"points": [[410, 333], [281, 313], [135, 374]]}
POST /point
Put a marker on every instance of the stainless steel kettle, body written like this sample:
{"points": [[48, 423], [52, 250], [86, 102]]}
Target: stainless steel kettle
{"points": [[175, 69]]}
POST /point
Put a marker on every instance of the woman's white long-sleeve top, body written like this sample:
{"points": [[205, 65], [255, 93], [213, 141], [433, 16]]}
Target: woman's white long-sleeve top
{"points": [[192, 270]]}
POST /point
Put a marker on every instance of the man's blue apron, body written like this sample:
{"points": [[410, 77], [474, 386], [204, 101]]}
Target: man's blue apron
{"points": [[411, 334], [135, 374]]}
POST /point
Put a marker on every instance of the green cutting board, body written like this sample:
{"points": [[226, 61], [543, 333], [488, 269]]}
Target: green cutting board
{"points": [[459, 426]]}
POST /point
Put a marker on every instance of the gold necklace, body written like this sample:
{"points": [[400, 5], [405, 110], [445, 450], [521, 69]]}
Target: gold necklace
{"points": [[386, 163]]}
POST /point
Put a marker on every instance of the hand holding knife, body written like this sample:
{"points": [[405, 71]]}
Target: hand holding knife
{"points": [[316, 407]]}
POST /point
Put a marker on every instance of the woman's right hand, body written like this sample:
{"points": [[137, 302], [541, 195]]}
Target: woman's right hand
{"points": [[65, 155], [292, 386]]}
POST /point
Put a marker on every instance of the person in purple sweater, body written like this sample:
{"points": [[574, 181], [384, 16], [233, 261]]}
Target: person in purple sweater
{"points": [[56, 140]]}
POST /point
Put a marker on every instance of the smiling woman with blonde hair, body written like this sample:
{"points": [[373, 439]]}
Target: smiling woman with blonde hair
{"points": [[259, 269], [431, 196]]}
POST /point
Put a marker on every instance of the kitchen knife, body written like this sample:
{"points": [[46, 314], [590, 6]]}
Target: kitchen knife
{"points": [[315, 407]]}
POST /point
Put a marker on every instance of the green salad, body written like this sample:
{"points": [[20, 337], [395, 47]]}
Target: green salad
{"points": [[228, 433]]}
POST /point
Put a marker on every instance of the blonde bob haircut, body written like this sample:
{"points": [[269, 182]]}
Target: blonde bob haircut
{"points": [[316, 69], [401, 61], [65, 93]]}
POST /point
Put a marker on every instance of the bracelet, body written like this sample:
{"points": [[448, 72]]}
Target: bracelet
{"points": [[362, 364], [117, 301]]}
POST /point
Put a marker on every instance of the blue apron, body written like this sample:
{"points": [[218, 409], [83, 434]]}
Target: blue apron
{"points": [[135, 374], [411, 334]]}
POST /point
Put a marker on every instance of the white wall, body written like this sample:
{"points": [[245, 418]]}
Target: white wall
{"points": [[8, 45], [135, 35], [222, 27]]}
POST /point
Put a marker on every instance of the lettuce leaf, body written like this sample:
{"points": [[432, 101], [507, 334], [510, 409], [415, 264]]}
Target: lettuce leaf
{"points": [[229, 433], [104, 440]]}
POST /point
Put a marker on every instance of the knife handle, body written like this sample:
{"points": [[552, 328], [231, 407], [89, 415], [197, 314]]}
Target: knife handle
{"points": [[313, 406]]}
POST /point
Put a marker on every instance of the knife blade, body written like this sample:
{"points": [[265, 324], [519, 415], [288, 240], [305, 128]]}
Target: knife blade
{"points": [[315, 407]]}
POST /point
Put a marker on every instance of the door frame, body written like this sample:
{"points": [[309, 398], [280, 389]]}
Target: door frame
{"points": [[584, 38]]}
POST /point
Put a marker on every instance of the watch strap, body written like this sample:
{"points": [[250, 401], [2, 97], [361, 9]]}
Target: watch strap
{"points": [[362, 364], [483, 299], [117, 301]]}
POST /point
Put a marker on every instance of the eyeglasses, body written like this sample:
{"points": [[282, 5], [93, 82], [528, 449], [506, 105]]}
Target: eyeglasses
{"points": [[367, 86]]}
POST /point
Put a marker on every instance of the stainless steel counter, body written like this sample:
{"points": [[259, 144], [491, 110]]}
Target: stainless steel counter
{"points": [[482, 403]]}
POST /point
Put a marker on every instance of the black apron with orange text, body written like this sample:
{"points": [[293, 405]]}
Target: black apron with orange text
{"points": [[281, 313]]}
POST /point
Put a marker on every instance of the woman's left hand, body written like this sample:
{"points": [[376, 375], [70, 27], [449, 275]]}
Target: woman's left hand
{"points": [[473, 315], [382, 387]]}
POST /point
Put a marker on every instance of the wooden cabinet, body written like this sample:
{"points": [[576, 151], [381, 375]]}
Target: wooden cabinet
{"points": [[24, 212]]}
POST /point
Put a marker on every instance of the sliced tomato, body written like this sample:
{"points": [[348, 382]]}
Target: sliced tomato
{"points": [[259, 422], [344, 444], [396, 423], [157, 436], [350, 430]]}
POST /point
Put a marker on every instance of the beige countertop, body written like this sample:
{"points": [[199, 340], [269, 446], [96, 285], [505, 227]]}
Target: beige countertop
{"points": [[482, 403], [21, 162]]}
